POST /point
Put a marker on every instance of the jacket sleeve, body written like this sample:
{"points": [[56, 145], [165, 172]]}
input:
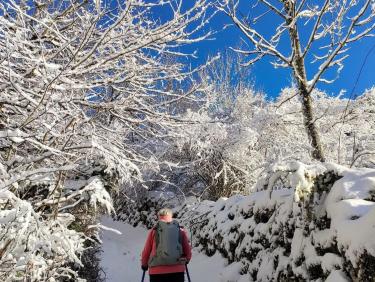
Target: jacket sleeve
{"points": [[147, 248], [186, 245]]}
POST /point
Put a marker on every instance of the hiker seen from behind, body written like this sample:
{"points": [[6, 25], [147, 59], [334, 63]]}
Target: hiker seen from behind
{"points": [[167, 250]]}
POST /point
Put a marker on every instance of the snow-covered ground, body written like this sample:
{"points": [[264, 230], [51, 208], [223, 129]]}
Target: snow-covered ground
{"points": [[121, 257]]}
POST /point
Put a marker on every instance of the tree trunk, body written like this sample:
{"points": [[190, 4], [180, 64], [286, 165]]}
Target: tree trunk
{"points": [[299, 73], [310, 127]]}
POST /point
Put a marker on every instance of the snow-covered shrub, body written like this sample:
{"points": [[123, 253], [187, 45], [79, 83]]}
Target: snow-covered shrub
{"points": [[144, 211], [208, 145], [35, 246], [302, 224]]}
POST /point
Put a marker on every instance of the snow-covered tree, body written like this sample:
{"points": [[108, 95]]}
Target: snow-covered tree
{"points": [[83, 91], [222, 156], [331, 27]]}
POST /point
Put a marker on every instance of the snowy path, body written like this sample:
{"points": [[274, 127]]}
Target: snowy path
{"points": [[121, 257]]}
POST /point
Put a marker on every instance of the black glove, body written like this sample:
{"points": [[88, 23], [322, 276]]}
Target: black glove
{"points": [[144, 267], [184, 260]]}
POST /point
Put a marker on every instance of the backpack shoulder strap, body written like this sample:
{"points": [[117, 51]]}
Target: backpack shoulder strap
{"points": [[179, 228], [175, 222], [156, 233]]}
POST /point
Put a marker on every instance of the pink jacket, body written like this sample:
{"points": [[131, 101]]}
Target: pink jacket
{"points": [[149, 250]]}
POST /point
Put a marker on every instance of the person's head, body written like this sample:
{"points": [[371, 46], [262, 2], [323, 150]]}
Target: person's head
{"points": [[165, 215]]}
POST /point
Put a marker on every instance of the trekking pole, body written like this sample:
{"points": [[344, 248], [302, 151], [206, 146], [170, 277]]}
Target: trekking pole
{"points": [[187, 273], [143, 276]]}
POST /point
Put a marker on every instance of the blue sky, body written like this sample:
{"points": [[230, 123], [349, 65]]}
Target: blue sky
{"points": [[270, 80], [264, 76]]}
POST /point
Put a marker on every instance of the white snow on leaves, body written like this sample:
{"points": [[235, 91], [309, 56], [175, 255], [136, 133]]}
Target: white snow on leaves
{"points": [[353, 213]]}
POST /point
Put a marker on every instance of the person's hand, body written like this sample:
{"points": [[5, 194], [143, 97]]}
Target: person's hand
{"points": [[184, 260], [144, 267]]}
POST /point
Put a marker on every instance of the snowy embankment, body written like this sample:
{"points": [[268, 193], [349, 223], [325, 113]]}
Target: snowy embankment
{"points": [[305, 223], [120, 258]]}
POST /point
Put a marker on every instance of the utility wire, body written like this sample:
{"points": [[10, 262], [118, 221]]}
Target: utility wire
{"points": [[360, 71], [352, 96]]}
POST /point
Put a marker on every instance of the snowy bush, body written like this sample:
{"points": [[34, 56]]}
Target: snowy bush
{"points": [[35, 246], [302, 224]]}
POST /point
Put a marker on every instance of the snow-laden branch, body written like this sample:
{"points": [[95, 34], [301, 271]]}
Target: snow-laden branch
{"points": [[84, 100], [338, 23], [261, 44], [331, 27], [344, 37]]}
